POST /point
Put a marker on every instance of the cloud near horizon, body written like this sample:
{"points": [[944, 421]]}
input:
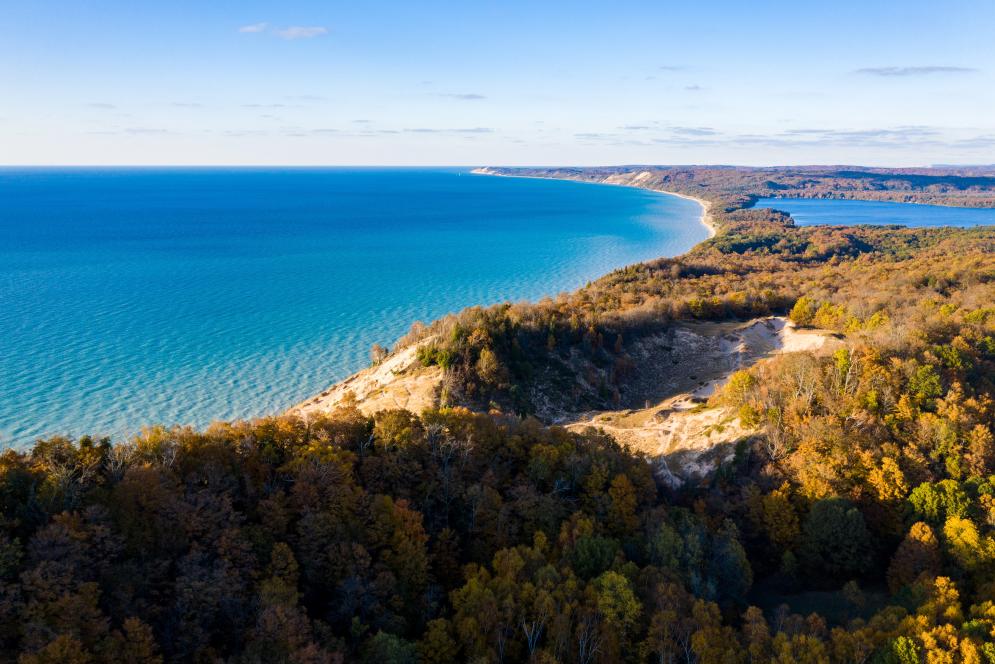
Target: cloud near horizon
{"points": [[693, 131], [461, 130], [290, 33], [914, 71], [302, 32], [464, 96], [906, 138]]}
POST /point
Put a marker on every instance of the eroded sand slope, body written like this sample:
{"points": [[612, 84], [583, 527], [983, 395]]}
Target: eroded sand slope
{"points": [[673, 423], [400, 381]]}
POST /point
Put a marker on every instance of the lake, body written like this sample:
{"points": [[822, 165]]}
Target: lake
{"points": [[834, 212], [138, 296]]}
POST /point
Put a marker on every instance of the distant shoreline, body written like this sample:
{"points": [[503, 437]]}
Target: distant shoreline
{"points": [[705, 219]]}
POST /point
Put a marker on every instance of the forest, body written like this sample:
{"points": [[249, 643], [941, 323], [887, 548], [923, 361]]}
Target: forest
{"points": [[856, 524]]}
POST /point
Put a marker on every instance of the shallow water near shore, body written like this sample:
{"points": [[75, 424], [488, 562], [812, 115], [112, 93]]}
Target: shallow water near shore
{"points": [[137, 296]]}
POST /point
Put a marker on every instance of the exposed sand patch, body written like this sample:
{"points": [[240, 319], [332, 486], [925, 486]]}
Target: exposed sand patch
{"points": [[688, 438], [400, 381]]}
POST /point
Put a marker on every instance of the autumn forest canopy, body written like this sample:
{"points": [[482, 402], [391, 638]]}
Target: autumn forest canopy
{"points": [[856, 522]]}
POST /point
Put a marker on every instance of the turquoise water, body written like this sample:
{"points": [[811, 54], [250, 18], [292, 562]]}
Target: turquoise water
{"points": [[815, 211], [137, 296]]}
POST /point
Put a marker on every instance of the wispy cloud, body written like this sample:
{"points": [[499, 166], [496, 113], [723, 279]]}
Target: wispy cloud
{"points": [[362, 131], [133, 131], [986, 142], [905, 133], [693, 88], [254, 27], [464, 96], [318, 131], [914, 71], [242, 133], [461, 130], [146, 131], [911, 137], [302, 32], [672, 68], [102, 106], [694, 131]]}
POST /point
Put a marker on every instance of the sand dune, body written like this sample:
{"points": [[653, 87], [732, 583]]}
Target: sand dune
{"points": [[682, 368], [688, 439]]}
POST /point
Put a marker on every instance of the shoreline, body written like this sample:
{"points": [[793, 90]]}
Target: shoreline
{"points": [[705, 219], [371, 374]]}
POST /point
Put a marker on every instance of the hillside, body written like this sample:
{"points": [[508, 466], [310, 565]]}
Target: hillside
{"points": [[679, 369], [822, 399], [740, 184]]}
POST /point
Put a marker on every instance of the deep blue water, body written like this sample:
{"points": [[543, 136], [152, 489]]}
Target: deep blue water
{"points": [[816, 211], [138, 296]]}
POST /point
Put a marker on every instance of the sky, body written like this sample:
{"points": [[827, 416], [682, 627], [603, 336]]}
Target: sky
{"points": [[246, 82]]}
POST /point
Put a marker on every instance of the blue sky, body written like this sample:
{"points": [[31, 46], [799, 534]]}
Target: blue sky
{"points": [[410, 83]]}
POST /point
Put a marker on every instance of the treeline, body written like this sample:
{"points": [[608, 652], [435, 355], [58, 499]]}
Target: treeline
{"points": [[940, 186]]}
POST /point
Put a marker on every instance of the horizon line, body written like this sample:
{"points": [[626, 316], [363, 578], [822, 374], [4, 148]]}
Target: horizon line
{"points": [[550, 166]]}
